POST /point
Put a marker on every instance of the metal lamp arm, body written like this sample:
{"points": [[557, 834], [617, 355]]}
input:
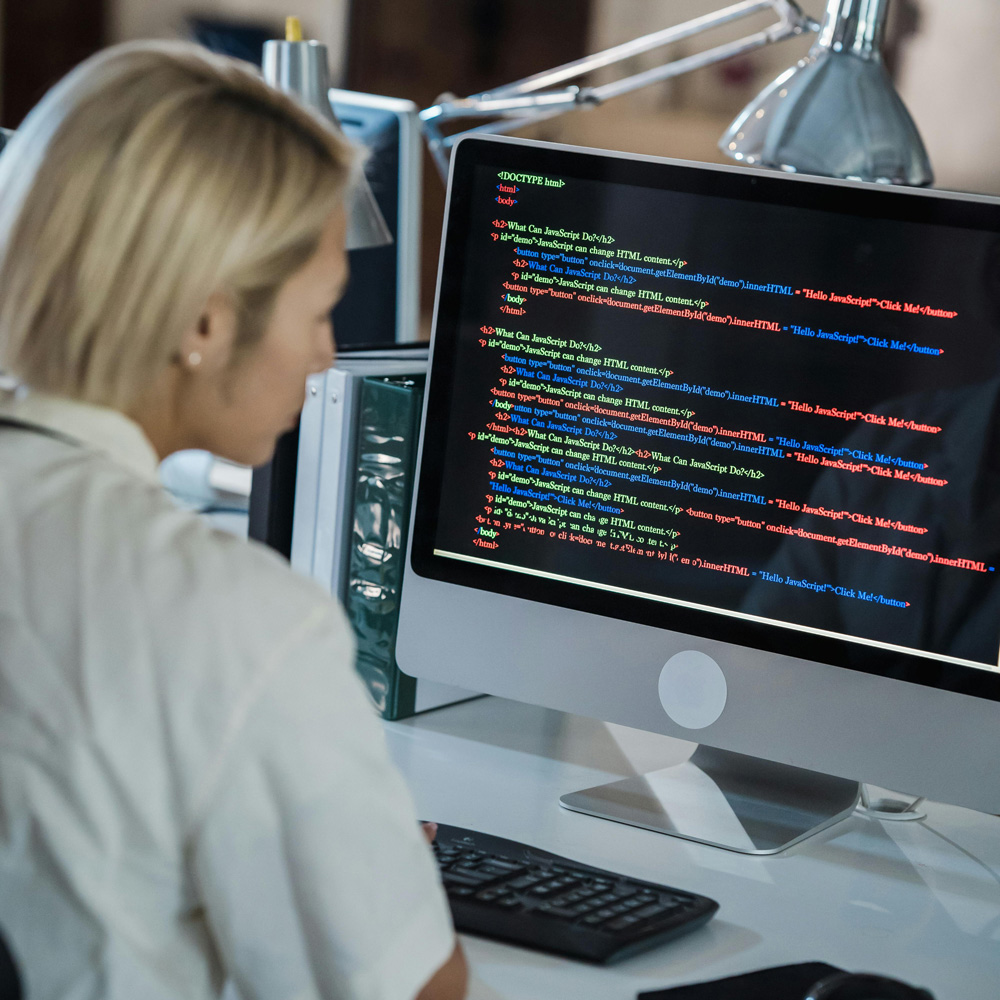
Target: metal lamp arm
{"points": [[532, 99]]}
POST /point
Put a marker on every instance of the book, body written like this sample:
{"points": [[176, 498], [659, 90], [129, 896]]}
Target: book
{"points": [[388, 432], [322, 522], [327, 451]]}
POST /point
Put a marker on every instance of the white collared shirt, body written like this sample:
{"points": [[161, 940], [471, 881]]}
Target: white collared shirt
{"points": [[193, 784]]}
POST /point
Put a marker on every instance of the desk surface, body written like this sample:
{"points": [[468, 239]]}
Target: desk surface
{"points": [[920, 901]]}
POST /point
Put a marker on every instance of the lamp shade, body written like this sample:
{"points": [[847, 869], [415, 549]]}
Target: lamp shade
{"points": [[301, 68], [835, 112]]}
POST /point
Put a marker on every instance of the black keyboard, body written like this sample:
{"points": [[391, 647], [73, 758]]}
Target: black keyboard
{"points": [[512, 892]]}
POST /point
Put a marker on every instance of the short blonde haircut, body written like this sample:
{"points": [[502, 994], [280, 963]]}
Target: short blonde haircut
{"points": [[151, 177]]}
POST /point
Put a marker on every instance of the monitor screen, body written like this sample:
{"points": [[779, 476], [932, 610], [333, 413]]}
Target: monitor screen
{"points": [[713, 452], [743, 406]]}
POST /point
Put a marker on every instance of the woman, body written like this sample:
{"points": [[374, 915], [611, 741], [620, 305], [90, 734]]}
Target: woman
{"points": [[192, 784]]}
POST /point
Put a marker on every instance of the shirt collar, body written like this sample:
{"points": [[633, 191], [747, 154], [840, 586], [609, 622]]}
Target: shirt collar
{"points": [[96, 427]]}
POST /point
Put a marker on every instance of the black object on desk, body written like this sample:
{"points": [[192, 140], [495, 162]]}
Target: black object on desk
{"points": [[805, 981], [512, 892], [10, 980], [272, 496], [786, 982]]}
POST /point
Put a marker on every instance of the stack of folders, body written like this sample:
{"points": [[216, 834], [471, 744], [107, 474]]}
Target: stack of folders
{"points": [[354, 484]]}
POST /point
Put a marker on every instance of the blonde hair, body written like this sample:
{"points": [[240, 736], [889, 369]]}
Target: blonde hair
{"points": [[151, 177]]}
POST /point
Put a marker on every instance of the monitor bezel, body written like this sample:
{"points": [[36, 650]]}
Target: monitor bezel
{"points": [[954, 209]]}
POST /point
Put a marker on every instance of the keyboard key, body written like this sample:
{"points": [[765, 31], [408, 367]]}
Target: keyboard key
{"points": [[543, 890], [511, 867], [457, 878], [622, 922], [525, 881], [488, 868], [472, 873]]}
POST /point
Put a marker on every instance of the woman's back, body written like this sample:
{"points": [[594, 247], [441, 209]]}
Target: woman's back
{"points": [[188, 767], [192, 782]]}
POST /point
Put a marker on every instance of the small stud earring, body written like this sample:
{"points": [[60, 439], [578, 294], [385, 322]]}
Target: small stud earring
{"points": [[194, 358]]}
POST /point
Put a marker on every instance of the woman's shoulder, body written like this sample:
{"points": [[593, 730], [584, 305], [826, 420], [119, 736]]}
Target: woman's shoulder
{"points": [[127, 552], [230, 586]]}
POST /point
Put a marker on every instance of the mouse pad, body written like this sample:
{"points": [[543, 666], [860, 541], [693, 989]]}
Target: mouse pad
{"points": [[786, 982]]}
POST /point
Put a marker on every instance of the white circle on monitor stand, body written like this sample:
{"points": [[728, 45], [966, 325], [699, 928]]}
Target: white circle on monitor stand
{"points": [[692, 689]]}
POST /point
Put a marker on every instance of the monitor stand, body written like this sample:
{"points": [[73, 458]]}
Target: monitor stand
{"points": [[725, 799]]}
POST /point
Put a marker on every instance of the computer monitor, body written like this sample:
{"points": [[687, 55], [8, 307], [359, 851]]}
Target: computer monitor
{"points": [[713, 452], [382, 301]]}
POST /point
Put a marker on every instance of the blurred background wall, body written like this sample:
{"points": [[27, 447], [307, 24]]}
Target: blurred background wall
{"points": [[322, 19], [942, 54], [40, 41]]}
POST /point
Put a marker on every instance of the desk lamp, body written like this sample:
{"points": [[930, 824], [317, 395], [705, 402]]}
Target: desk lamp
{"points": [[300, 67], [833, 113]]}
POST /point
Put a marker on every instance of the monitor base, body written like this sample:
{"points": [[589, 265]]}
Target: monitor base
{"points": [[726, 800], [890, 810]]}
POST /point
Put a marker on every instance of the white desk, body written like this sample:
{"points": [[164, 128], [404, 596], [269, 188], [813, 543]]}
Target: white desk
{"points": [[919, 901]]}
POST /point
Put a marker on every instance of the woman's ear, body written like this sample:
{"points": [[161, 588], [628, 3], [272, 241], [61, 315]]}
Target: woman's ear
{"points": [[207, 345]]}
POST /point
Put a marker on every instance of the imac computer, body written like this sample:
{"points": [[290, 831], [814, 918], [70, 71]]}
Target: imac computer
{"points": [[713, 452]]}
